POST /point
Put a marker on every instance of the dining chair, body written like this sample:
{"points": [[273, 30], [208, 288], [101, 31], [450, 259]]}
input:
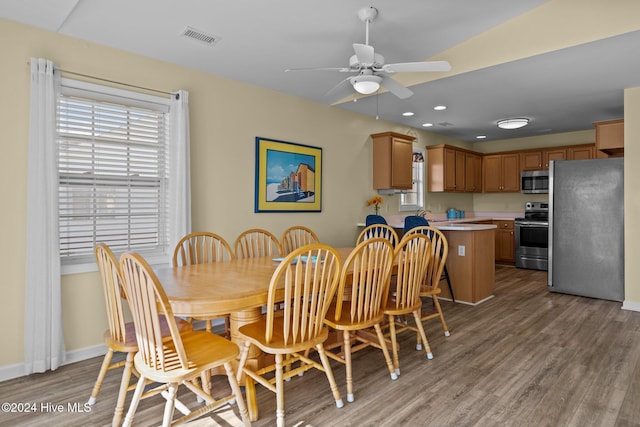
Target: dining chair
{"points": [[182, 359], [413, 255], [360, 301], [305, 282], [433, 277], [121, 335], [296, 237], [203, 247], [257, 242], [378, 230], [413, 221]]}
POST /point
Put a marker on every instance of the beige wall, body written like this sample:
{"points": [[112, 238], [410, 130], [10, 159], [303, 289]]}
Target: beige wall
{"points": [[226, 116]]}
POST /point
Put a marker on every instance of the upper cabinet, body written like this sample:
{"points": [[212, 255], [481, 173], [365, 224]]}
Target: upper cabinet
{"points": [[539, 159], [610, 136], [452, 169], [501, 173], [392, 161]]}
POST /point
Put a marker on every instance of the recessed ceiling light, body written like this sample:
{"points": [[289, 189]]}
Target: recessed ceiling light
{"points": [[440, 107], [515, 123], [427, 125], [408, 113], [481, 136]]}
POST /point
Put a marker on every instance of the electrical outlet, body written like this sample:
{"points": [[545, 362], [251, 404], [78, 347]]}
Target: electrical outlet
{"points": [[460, 250]]}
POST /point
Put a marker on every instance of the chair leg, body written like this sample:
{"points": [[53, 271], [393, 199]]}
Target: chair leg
{"points": [[385, 351], [446, 276], [416, 315], [103, 372], [347, 362], [279, 392], [134, 402], [249, 386], [329, 372], [237, 393], [445, 328], [394, 344], [122, 394], [169, 406]]}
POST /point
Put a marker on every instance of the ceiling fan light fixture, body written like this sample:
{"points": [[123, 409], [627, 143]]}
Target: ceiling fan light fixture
{"points": [[366, 84], [515, 123]]}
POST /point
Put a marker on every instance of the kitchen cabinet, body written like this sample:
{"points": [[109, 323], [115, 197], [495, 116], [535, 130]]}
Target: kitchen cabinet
{"points": [[501, 173], [446, 169], [539, 159], [581, 152], [473, 173], [505, 242], [610, 136], [392, 161]]}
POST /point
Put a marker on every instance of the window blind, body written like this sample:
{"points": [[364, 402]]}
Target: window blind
{"points": [[113, 176]]}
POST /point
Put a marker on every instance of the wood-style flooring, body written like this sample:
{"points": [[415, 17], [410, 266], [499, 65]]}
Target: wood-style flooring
{"points": [[527, 357]]}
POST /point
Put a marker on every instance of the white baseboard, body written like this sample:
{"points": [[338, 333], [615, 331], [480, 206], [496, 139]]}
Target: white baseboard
{"points": [[630, 305], [17, 370]]}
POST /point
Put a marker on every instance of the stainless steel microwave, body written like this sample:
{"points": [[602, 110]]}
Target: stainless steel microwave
{"points": [[534, 182]]}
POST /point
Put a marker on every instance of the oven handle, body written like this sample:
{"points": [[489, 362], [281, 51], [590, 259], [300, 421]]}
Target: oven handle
{"points": [[532, 223]]}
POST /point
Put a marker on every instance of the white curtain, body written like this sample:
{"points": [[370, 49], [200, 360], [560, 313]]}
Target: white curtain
{"points": [[180, 184], [43, 338]]}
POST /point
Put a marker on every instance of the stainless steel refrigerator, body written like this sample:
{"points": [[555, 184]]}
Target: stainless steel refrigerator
{"points": [[586, 228]]}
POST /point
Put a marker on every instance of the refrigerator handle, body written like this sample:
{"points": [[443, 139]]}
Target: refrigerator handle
{"points": [[550, 238]]}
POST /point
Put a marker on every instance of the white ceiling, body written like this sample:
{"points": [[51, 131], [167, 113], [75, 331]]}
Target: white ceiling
{"points": [[561, 87]]}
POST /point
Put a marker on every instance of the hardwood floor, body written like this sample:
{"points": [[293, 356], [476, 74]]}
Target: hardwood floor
{"points": [[524, 358]]}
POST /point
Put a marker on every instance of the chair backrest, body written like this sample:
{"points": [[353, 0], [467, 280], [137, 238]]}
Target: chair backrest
{"points": [[147, 301], [374, 219], [296, 237], [308, 285], [113, 291], [257, 242], [413, 221], [413, 256], [364, 281], [378, 230], [201, 247], [439, 252]]}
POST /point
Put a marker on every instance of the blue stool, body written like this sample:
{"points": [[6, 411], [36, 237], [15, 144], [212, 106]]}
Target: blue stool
{"points": [[375, 219]]}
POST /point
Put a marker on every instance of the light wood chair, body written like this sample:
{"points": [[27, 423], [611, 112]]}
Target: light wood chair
{"points": [[413, 255], [180, 360], [433, 277], [203, 247], [296, 237], [305, 289], [257, 242], [121, 335], [360, 301], [378, 230]]}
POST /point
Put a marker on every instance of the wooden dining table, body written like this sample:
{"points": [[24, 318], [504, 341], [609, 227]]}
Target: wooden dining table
{"points": [[238, 287]]}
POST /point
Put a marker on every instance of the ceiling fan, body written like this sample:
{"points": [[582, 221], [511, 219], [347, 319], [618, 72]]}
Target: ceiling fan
{"points": [[370, 69]]}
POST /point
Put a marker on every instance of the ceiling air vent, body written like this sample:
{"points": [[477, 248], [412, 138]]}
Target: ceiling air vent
{"points": [[445, 124], [201, 36]]}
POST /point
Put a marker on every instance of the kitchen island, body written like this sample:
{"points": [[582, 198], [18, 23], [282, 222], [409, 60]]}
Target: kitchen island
{"points": [[471, 260]]}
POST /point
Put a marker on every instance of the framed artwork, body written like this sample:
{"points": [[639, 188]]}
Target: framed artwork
{"points": [[288, 177]]}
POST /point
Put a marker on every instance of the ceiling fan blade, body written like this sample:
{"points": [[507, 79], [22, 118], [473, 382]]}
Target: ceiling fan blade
{"points": [[364, 53], [339, 69], [396, 88], [413, 67], [340, 91]]}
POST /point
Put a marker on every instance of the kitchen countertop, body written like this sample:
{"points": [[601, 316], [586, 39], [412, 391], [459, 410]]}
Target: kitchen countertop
{"points": [[441, 222]]}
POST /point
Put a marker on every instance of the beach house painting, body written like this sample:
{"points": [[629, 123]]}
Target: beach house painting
{"points": [[287, 176]]}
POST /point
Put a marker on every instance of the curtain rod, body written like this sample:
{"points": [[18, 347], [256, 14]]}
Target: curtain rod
{"points": [[170, 94]]}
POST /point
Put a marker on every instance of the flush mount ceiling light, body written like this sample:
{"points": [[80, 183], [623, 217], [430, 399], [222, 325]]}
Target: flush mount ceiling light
{"points": [[408, 113], [366, 84], [440, 107], [513, 123]]}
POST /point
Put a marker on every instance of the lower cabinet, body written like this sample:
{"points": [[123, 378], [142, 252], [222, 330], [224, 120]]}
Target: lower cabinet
{"points": [[505, 242]]}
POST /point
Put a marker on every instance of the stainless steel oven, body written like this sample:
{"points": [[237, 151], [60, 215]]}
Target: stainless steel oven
{"points": [[532, 237]]}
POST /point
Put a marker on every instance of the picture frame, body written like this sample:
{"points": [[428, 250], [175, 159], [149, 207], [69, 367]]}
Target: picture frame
{"points": [[288, 177]]}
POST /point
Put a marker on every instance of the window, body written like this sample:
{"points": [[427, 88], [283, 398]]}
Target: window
{"points": [[113, 172], [413, 200]]}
